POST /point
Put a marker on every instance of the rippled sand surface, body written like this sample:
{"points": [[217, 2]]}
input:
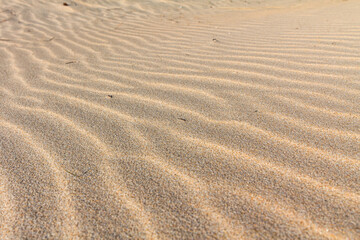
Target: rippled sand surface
{"points": [[179, 119]]}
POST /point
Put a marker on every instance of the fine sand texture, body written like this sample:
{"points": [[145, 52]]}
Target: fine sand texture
{"points": [[165, 119]]}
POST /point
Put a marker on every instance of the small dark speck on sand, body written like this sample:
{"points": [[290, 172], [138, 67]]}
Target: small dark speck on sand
{"points": [[256, 111], [110, 96], [50, 39], [65, 4], [215, 40], [77, 175], [182, 119]]}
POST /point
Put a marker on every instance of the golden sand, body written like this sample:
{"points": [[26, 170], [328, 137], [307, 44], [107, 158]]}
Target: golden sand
{"points": [[180, 119]]}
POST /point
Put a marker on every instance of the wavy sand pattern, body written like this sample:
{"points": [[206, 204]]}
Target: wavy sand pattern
{"points": [[186, 119]]}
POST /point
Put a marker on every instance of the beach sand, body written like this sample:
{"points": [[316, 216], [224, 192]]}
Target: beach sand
{"points": [[173, 119]]}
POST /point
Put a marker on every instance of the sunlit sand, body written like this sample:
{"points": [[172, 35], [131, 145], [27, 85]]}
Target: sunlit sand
{"points": [[173, 119]]}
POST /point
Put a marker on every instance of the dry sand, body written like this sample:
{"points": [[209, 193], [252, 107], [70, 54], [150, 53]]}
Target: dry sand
{"points": [[179, 119]]}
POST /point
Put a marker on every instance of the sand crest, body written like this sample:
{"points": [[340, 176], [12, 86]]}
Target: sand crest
{"points": [[180, 119]]}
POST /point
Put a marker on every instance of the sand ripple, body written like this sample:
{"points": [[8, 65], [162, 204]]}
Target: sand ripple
{"points": [[179, 120]]}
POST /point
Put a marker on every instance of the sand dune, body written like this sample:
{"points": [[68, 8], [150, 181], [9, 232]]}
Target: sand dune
{"points": [[180, 119]]}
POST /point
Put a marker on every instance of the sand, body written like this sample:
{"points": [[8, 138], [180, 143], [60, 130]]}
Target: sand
{"points": [[179, 119]]}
